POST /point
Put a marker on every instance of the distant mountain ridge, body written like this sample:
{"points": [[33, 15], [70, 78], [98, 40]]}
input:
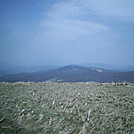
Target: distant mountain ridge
{"points": [[10, 69], [73, 73], [110, 67]]}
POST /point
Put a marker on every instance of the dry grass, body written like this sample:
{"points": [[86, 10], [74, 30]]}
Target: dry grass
{"points": [[66, 108]]}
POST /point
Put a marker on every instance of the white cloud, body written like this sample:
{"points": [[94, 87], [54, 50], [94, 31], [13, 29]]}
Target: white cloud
{"points": [[122, 10], [66, 9], [71, 29], [69, 21]]}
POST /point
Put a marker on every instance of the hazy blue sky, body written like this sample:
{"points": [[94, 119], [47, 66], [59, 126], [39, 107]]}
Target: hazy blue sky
{"points": [[39, 32]]}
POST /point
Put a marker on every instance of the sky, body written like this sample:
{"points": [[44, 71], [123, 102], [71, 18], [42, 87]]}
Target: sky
{"points": [[41, 32]]}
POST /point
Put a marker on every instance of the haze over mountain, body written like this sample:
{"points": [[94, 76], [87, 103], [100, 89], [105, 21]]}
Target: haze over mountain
{"points": [[73, 73], [6, 69]]}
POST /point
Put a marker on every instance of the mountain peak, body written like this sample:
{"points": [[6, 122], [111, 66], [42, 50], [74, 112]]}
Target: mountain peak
{"points": [[72, 67]]}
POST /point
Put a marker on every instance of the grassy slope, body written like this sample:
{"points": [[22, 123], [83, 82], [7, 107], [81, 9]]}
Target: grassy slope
{"points": [[66, 108]]}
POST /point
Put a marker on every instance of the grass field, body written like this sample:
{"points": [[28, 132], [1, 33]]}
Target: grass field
{"points": [[66, 108]]}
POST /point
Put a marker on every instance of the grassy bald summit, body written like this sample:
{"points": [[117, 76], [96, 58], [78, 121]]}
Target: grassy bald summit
{"points": [[66, 108], [73, 73]]}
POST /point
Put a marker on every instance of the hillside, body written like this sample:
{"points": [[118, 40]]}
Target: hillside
{"points": [[72, 73]]}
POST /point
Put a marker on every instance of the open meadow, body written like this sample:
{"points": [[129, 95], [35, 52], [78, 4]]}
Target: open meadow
{"points": [[66, 108]]}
